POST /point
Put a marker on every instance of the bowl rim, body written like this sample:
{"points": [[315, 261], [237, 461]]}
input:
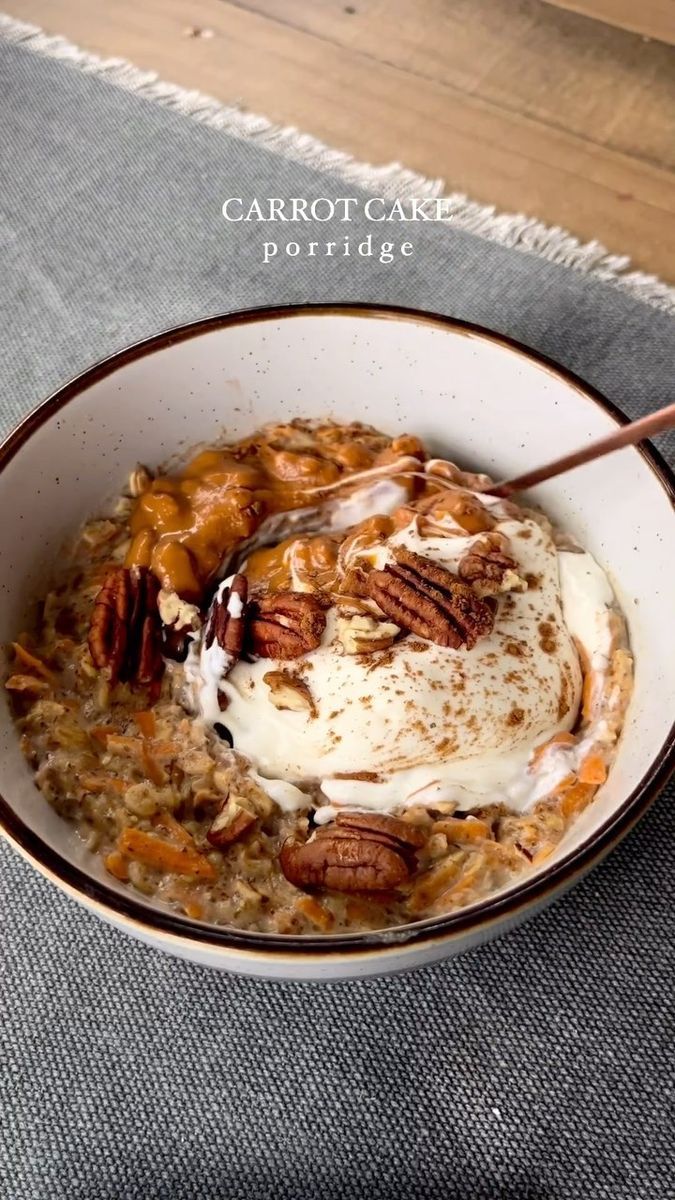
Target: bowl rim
{"points": [[505, 906]]}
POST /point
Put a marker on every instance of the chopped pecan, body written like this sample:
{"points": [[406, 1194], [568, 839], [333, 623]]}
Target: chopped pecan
{"points": [[177, 612], [27, 683], [289, 692], [345, 864], [425, 598], [231, 823], [124, 635], [383, 824], [225, 623], [179, 619], [354, 581], [489, 569], [362, 634], [285, 625]]}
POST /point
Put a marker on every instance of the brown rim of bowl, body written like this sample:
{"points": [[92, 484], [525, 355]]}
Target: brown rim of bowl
{"points": [[502, 907]]}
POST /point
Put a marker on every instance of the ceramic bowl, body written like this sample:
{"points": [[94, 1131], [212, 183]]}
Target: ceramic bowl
{"points": [[482, 400]]}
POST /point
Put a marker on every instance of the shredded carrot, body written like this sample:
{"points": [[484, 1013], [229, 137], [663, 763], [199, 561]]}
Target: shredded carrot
{"points": [[315, 912], [119, 743], [27, 683], [34, 664], [164, 856], [165, 749], [575, 799], [459, 889], [558, 739], [588, 694], [166, 821], [430, 885], [469, 829], [193, 910], [359, 910], [146, 722], [153, 769], [101, 733], [565, 784], [542, 855], [593, 770], [104, 783], [502, 854], [116, 863], [147, 753]]}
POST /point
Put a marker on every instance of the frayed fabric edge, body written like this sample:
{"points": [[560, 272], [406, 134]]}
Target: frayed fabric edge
{"points": [[392, 181]]}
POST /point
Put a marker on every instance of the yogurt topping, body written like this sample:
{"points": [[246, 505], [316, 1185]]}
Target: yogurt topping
{"points": [[587, 599], [428, 723]]}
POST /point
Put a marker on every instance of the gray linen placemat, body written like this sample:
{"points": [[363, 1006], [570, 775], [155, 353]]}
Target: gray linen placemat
{"points": [[536, 1068]]}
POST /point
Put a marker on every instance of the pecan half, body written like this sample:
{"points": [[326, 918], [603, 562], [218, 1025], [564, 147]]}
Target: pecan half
{"points": [[345, 864], [339, 833], [367, 852], [125, 630], [400, 831], [285, 625], [427, 599], [226, 622], [489, 570], [231, 823]]}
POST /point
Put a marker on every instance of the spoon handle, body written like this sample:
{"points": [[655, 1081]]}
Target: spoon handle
{"points": [[627, 435]]}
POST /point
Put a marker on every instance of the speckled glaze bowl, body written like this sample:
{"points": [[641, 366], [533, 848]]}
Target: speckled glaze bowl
{"points": [[484, 401]]}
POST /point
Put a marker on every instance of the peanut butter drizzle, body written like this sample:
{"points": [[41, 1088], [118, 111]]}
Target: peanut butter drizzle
{"points": [[183, 526], [300, 563], [317, 562]]}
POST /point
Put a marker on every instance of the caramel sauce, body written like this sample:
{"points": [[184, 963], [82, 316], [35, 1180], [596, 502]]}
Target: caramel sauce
{"points": [[183, 526]]}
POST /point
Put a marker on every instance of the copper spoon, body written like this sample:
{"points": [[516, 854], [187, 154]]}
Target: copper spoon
{"points": [[628, 435]]}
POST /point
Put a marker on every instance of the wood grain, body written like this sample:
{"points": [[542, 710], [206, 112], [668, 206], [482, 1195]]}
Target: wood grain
{"points": [[612, 89], [516, 103], [652, 18]]}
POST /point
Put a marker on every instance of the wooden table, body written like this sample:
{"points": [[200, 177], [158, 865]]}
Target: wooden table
{"points": [[526, 106]]}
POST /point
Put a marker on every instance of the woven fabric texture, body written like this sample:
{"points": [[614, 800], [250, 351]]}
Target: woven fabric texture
{"points": [[536, 1068]]}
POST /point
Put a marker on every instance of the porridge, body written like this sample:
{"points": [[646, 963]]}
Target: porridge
{"points": [[318, 681]]}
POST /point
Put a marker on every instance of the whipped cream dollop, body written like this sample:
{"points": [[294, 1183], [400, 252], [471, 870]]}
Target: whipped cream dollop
{"points": [[425, 723]]}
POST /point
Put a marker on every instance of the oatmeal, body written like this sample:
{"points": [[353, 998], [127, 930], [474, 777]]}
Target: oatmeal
{"points": [[319, 681]]}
